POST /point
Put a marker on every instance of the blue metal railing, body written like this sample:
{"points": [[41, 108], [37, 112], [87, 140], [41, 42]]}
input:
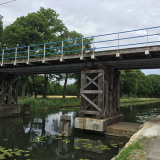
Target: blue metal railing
{"points": [[118, 40]]}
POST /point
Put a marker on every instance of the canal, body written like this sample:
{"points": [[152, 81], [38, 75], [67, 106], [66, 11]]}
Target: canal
{"points": [[34, 137]]}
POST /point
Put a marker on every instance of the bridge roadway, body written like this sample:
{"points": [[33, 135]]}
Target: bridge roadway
{"points": [[130, 58]]}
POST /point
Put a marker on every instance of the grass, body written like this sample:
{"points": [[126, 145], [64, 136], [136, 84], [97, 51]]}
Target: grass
{"points": [[135, 101], [49, 104], [135, 151], [56, 103]]}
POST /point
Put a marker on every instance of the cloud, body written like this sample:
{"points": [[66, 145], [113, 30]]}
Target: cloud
{"points": [[91, 16]]}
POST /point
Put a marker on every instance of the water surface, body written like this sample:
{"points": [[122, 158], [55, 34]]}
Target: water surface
{"points": [[23, 134]]}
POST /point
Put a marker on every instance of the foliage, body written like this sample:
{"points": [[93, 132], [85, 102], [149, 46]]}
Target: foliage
{"points": [[134, 151], [1, 31], [135, 83], [40, 27], [44, 105]]}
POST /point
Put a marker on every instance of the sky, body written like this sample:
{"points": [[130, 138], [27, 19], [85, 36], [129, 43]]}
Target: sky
{"points": [[92, 17]]}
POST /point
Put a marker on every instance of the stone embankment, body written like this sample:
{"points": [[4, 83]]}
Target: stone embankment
{"points": [[150, 129]]}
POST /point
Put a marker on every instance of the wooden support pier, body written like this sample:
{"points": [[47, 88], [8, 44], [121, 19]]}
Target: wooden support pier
{"points": [[100, 90], [8, 94], [100, 98]]}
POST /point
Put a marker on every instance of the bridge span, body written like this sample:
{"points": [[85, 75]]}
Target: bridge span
{"points": [[99, 62], [130, 58]]}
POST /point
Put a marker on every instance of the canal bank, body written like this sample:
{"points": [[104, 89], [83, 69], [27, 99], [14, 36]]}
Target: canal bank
{"points": [[144, 144]]}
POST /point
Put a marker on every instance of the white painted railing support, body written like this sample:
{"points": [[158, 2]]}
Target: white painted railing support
{"points": [[147, 39], [2, 58], [15, 62], [28, 54], [81, 56], [44, 54], [62, 54], [147, 53], [93, 54]]}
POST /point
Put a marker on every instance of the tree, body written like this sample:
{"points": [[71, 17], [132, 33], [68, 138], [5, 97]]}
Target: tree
{"points": [[129, 79], [23, 93], [40, 27], [155, 85], [65, 84], [77, 77], [45, 85], [1, 30]]}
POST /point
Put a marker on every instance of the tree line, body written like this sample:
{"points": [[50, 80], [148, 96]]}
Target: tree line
{"points": [[133, 83], [45, 26]]}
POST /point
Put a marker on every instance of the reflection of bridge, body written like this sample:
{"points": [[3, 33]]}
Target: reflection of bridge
{"points": [[109, 53]]}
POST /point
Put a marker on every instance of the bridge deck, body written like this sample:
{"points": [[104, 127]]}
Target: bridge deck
{"points": [[130, 58]]}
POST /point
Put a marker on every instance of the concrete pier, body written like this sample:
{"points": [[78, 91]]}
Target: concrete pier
{"points": [[94, 124]]}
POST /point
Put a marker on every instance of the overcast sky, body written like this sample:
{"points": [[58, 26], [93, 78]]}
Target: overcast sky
{"points": [[91, 17]]}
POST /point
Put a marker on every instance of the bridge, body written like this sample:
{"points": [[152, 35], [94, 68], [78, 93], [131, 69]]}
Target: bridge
{"points": [[99, 59]]}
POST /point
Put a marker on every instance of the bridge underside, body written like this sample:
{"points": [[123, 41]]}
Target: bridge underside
{"points": [[131, 58]]}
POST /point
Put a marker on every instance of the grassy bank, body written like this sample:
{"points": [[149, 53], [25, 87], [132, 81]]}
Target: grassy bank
{"points": [[136, 151], [55, 103], [49, 104], [135, 101]]}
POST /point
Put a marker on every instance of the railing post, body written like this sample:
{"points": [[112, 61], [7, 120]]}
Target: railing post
{"points": [[62, 54], [93, 55], [118, 52], [15, 57], [2, 57], [118, 42], [28, 54], [44, 54], [147, 53], [81, 57], [147, 39]]}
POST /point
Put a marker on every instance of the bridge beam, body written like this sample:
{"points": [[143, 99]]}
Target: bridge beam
{"points": [[8, 94], [100, 98]]}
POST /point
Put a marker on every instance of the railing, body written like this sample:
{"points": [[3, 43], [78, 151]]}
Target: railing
{"points": [[112, 41]]}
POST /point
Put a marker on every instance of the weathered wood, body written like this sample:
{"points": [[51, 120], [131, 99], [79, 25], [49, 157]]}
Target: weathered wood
{"points": [[91, 91], [83, 82], [101, 92], [94, 71], [8, 90], [89, 112], [93, 104], [92, 81]]}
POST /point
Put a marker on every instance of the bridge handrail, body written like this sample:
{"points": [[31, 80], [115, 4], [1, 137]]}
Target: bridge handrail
{"points": [[85, 37], [62, 46]]}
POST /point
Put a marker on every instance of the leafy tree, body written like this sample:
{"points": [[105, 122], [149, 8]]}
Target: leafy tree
{"points": [[155, 85], [1, 31], [38, 27], [129, 81]]}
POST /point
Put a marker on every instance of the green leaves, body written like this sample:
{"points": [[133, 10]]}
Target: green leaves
{"points": [[4, 153], [37, 27]]}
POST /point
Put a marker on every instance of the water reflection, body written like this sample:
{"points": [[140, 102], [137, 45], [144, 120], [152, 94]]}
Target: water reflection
{"points": [[140, 113], [20, 133]]}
